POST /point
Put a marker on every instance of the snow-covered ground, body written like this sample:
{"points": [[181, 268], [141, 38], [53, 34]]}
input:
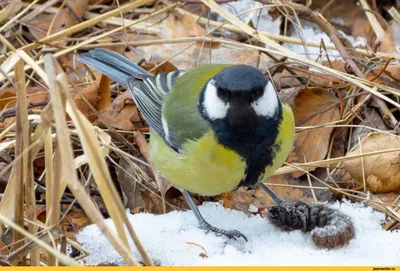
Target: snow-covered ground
{"points": [[167, 237]]}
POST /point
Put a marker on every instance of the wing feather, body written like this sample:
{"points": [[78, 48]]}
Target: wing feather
{"points": [[149, 93]]}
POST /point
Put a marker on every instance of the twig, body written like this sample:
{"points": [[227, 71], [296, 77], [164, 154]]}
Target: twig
{"points": [[376, 26], [12, 111], [395, 14]]}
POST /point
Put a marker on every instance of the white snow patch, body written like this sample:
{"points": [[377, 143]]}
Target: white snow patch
{"points": [[312, 33], [165, 237], [253, 209], [338, 21], [254, 13]]}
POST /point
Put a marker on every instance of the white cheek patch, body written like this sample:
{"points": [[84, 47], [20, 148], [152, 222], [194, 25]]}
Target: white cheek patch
{"points": [[214, 107], [268, 103]]}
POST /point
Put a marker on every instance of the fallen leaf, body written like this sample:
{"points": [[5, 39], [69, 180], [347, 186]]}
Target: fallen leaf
{"points": [[35, 95], [385, 44], [104, 93], [8, 98], [389, 198], [73, 222], [63, 19], [362, 28], [89, 94], [340, 142], [286, 79], [129, 186], [192, 27], [311, 107], [78, 6], [122, 113], [371, 118], [389, 75], [382, 172], [39, 25], [154, 205]]}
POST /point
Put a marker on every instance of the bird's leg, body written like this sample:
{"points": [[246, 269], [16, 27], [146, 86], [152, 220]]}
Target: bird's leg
{"points": [[204, 225], [277, 199]]}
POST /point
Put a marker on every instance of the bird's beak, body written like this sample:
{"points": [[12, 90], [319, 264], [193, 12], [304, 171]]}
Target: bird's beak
{"points": [[240, 114]]}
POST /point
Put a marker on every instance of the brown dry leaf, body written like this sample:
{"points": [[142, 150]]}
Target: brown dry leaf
{"points": [[129, 186], [65, 18], [385, 44], [193, 28], [39, 25], [226, 54], [387, 76], [389, 198], [313, 106], [88, 94], [170, 28], [362, 28], [382, 172], [8, 100], [154, 205], [371, 118], [340, 142], [122, 114], [78, 6], [8, 96], [104, 93], [285, 79], [73, 223], [255, 200]]}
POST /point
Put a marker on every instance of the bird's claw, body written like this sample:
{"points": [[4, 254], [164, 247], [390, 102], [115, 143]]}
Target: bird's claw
{"points": [[232, 234]]}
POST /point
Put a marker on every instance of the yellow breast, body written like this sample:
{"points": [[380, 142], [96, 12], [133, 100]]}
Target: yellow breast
{"points": [[203, 167], [208, 168]]}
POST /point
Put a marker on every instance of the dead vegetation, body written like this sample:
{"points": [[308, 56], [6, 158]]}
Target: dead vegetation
{"points": [[73, 144]]}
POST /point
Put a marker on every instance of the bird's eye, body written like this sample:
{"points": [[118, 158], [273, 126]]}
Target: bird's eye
{"points": [[224, 94], [256, 94]]}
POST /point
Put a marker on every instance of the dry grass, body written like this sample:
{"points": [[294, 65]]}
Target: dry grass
{"points": [[53, 137]]}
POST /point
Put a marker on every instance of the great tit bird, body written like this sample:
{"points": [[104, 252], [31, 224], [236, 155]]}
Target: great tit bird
{"points": [[214, 128]]}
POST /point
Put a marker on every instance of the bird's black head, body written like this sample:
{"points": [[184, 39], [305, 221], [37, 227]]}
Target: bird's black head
{"points": [[238, 94]]}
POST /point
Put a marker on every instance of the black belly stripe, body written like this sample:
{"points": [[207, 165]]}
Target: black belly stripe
{"points": [[256, 164]]}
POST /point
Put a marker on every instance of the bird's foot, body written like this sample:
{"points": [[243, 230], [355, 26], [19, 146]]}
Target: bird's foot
{"points": [[233, 234]]}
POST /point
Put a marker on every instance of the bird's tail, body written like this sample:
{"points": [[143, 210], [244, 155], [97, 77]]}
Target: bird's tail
{"points": [[113, 65]]}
